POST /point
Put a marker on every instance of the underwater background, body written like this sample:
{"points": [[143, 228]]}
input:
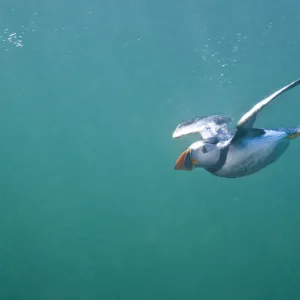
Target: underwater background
{"points": [[90, 204]]}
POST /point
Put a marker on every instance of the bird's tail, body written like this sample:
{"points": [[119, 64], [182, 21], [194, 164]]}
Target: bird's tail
{"points": [[293, 132]]}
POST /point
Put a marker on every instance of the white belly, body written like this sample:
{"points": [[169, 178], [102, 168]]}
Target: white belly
{"points": [[251, 155]]}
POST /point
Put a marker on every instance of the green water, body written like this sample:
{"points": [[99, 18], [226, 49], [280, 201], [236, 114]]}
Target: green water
{"points": [[90, 206]]}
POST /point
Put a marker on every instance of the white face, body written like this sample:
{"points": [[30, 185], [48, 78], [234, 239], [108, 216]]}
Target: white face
{"points": [[204, 155]]}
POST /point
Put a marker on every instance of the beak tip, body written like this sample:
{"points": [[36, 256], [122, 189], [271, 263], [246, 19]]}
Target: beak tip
{"points": [[181, 164], [176, 168]]}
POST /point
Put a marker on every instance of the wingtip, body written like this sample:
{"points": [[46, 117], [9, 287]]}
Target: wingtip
{"points": [[175, 135], [296, 82]]}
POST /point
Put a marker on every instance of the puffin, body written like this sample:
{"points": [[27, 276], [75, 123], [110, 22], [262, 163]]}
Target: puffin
{"points": [[237, 152]]}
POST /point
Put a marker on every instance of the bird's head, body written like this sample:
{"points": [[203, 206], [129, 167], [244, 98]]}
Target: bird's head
{"points": [[199, 155]]}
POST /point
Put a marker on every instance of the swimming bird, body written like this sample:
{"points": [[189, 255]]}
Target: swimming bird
{"points": [[234, 153]]}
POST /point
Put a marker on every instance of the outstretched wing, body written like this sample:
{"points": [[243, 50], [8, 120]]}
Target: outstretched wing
{"points": [[207, 127], [248, 119]]}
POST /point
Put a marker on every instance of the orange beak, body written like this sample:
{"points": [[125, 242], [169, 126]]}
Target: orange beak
{"points": [[184, 162]]}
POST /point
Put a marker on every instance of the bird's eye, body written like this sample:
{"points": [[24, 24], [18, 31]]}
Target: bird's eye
{"points": [[204, 149]]}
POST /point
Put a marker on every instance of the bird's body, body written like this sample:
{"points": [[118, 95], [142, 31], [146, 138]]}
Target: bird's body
{"points": [[249, 155], [237, 153]]}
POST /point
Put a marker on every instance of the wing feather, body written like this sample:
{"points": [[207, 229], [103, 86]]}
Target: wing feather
{"points": [[248, 119], [207, 127]]}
